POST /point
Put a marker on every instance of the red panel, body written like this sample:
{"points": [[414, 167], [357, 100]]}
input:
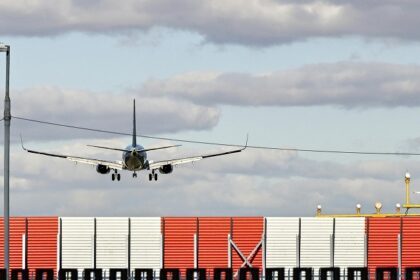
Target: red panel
{"points": [[213, 243], [383, 242], [179, 242], [411, 241], [42, 242], [17, 231], [247, 233]]}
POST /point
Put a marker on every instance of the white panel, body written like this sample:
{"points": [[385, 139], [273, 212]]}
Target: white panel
{"points": [[349, 242], [281, 236], [146, 243], [111, 243], [77, 242], [316, 242]]}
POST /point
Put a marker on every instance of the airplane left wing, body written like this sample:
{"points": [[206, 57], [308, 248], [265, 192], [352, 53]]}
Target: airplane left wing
{"points": [[111, 164]]}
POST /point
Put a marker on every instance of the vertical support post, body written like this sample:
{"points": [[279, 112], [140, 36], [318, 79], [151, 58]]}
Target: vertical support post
{"points": [[7, 117], [229, 252], [195, 251], [94, 244], [129, 249], [331, 250], [23, 251], [60, 248], [297, 250], [263, 246], [162, 250], [399, 257], [366, 251], [333, 245], [58, 252]]}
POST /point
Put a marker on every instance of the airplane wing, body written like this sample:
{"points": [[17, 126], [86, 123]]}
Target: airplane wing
{"points": [[158, 164], [111, 164]]}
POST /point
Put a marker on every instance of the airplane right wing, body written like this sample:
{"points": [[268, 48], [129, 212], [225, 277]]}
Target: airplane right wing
{"points": [[173, 162]]}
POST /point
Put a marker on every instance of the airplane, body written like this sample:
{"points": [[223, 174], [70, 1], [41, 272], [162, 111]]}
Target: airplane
{"points": [[134, 158]]}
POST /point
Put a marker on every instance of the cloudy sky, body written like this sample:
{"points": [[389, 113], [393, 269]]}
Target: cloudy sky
{"points": [[299, 74]]}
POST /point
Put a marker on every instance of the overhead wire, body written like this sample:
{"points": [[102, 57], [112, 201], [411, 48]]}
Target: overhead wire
{"points": [[218, 143]]}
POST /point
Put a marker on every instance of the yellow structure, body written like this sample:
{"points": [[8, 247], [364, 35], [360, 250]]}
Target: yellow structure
{"points": [[378, 207]]}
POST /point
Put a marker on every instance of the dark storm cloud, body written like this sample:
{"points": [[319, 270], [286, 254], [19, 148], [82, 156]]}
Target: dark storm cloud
{"points": [[344, 84], [254, 23]]}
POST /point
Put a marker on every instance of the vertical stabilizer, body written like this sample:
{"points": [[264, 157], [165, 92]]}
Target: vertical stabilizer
{"points": [[134, 124]]}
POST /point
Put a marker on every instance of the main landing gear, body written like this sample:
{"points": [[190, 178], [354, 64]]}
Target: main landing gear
{"points": [[152, 176], [116, 175]]}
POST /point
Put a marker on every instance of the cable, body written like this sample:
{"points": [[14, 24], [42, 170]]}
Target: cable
{"points": [[219, 143]]}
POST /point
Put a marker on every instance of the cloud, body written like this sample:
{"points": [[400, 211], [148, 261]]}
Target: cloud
{"points": [[105, 111], [254, 23], [344, 84]]}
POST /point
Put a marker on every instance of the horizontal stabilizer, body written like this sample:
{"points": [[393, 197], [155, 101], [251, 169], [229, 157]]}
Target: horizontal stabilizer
{"points": [[142, 150]]}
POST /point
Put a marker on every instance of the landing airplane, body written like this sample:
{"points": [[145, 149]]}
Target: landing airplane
{"points": [[134, 158]]}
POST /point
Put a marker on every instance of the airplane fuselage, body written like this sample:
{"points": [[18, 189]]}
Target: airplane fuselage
{"points": [[135, 160]]}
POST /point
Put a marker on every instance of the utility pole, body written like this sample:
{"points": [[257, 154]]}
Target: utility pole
{"points": [[7, 117]]}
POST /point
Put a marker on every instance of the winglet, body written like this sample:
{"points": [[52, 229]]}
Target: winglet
{"points": [[21, 142], [246, 142]]}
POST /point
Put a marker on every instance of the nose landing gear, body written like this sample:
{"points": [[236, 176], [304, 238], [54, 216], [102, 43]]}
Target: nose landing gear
{"points": [[134, 175]]}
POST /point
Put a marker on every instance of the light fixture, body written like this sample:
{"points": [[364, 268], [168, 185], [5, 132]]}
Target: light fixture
{"points": [[378, 207], [358, 208]]}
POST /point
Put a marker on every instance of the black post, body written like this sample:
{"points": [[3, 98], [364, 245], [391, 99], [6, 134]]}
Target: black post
{"points": [[218, 273], [201, 272], [297, 273], [114, 271], [380, 272], [244, 271], [165, 272], [97, 274], [270, 273], [351, 273], [409, 271], [62, 274], [143, 274]]}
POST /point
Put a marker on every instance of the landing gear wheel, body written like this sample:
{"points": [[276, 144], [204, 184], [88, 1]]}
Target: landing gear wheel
{"points": [[118, 177], [156, 176], [150, 177], [113, 177], [134, 175]]}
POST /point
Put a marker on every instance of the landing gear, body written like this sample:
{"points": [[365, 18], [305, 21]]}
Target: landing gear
{"points": [[116, 176], [134, 175], [152, 176]]}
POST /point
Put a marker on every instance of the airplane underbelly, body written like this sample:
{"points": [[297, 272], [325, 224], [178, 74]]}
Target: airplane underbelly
{"points": [[133, 163]]}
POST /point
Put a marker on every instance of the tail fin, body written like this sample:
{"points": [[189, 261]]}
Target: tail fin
{"points": [[134, 124]]}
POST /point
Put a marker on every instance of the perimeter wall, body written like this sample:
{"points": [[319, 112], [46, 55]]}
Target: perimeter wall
{"points": [[212, 242]]}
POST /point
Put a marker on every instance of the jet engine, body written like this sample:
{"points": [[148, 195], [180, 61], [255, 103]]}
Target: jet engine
{"points": [[102, 169], [166, 169]]}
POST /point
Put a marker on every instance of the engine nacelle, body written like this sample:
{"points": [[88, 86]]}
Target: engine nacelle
{"points": [[166, 169], [103, 169]]}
